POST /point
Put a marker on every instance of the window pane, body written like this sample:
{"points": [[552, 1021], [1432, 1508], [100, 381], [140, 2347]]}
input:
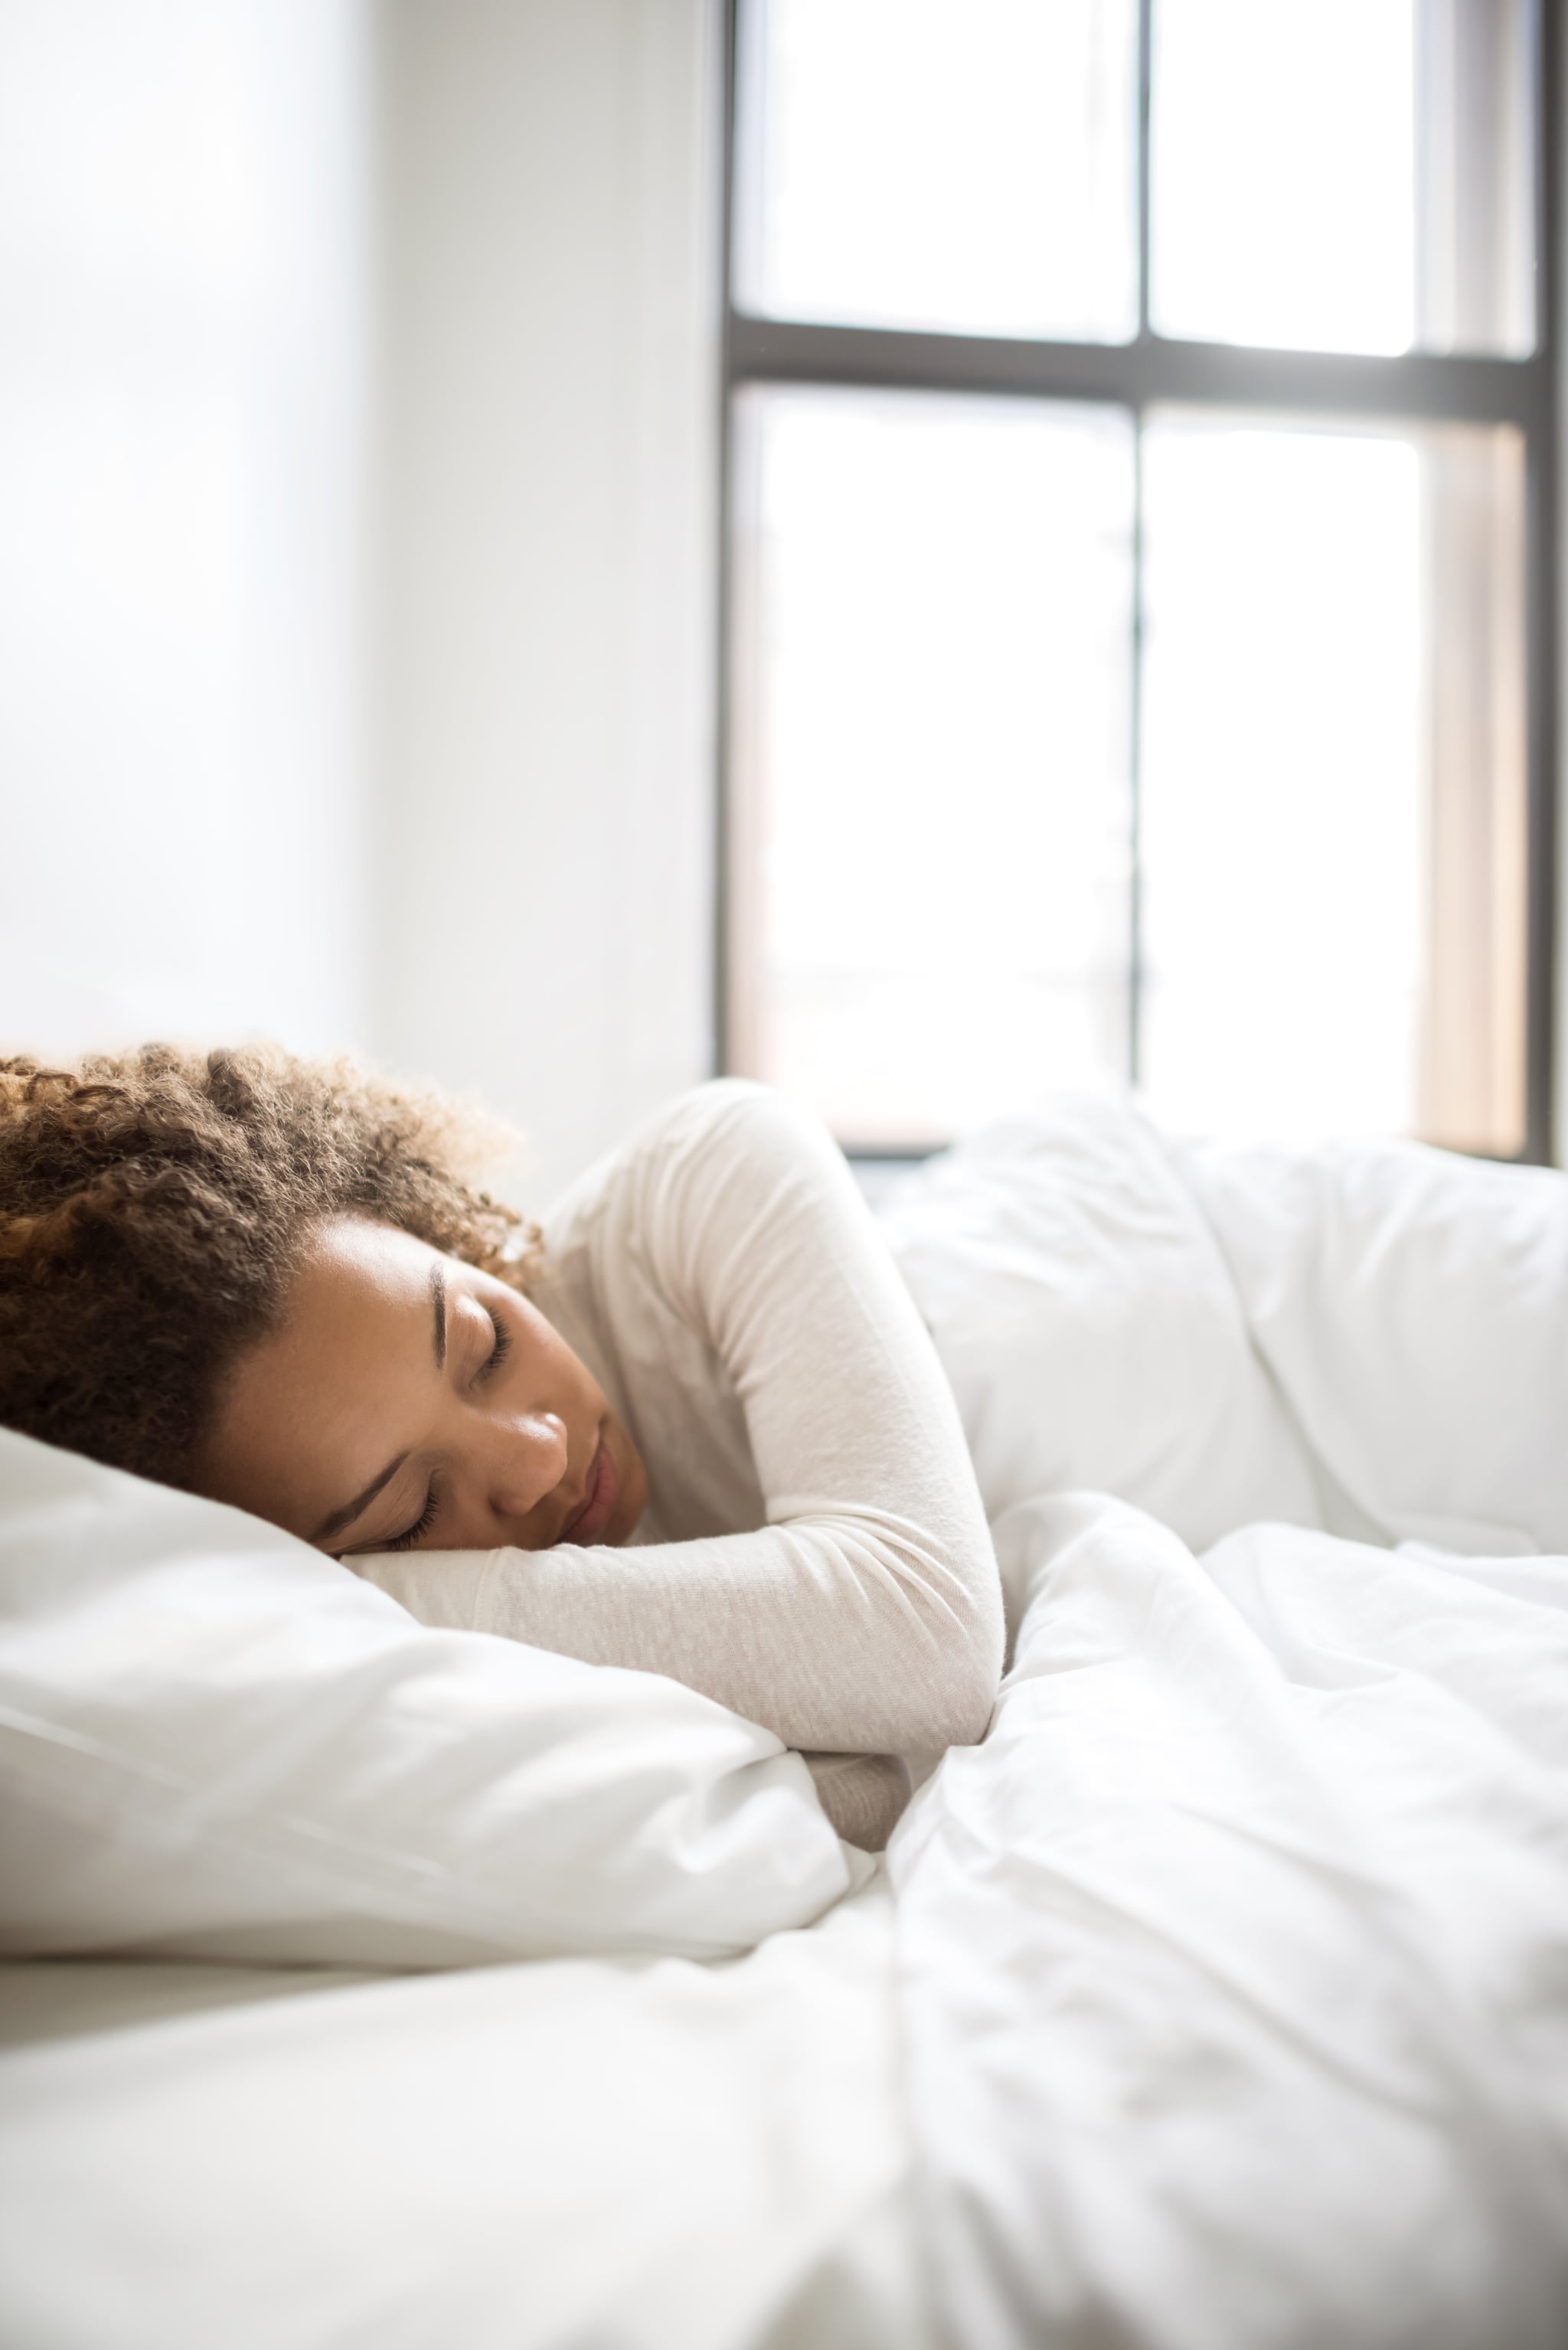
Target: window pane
{"points": [[966, 165], [929, 813], [1333, 821], [1347, 175]]}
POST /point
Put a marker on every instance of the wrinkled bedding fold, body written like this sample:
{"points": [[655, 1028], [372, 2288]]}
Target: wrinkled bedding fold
{"points": [[1234, 1963]]}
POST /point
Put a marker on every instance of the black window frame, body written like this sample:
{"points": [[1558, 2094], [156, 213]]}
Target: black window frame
{"points": [[1153, 369]]}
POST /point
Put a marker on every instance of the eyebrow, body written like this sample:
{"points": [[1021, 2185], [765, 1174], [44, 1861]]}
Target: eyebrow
{"points": [[351, 1510], [438, 1299]]}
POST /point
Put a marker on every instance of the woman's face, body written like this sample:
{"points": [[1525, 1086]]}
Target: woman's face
{"points": [[405, 1400]]}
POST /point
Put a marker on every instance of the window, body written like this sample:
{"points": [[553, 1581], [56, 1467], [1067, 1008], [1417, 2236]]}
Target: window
{"points": [[1138, 474]]}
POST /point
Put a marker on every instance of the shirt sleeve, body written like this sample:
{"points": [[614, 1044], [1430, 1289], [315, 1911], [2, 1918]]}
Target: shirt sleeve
{"points": [[863, 1794], [865, 1614]]}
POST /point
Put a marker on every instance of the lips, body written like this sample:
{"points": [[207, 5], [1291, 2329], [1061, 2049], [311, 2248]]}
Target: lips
{"points": [[594, 1511]]}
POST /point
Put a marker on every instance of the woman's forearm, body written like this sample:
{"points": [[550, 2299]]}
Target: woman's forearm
{"points": [[841, 1633]]}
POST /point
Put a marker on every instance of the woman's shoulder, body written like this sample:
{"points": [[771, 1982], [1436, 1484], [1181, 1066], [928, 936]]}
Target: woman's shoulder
{"points": [[727, 1123], [718, 1176]]}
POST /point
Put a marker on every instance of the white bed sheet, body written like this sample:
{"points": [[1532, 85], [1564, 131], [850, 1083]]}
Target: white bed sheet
{"points": [[561, 2155]]}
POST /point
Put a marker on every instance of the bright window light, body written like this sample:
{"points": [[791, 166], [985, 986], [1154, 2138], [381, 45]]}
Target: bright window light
{"points": [[1281, 812], [1133, 731], [907, 164], [1349, 175], [931, 832], [1283, 173]]}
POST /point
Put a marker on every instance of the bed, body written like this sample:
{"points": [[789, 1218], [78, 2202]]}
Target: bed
{"points": [[640, 2152], [1219, 1998]]}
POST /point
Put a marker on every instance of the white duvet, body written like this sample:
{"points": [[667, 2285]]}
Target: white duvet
{"points": [[1235, 1962], [1231, 2003]]}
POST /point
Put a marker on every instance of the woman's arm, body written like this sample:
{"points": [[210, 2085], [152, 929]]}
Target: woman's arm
{"points": [[863, 1794], [865, 1613]]}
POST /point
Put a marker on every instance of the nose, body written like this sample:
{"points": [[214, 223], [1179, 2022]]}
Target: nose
{"points": [[528, 1460]]}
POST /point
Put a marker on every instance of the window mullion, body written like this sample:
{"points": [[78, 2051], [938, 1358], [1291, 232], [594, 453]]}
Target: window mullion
{"points": [[1135, 972], [1152, 371], [1145, 88]]}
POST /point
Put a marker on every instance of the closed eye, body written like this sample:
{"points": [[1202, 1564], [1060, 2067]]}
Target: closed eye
{"points": [[499, 1351], [421, 1524]]}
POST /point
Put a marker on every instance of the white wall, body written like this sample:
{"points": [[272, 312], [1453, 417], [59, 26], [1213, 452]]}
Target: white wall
{"points": [[182, 306], [549, 302]]}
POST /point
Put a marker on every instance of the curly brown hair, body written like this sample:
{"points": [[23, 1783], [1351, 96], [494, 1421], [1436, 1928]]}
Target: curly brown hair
{"points": [[153, 1205]]}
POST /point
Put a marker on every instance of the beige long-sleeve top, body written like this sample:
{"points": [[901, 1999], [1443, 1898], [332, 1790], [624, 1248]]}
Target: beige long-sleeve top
{"points": [[815, 1553]]}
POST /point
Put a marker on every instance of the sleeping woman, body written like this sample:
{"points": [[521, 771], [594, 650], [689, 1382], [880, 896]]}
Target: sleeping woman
{"points": [[694, 1427]]}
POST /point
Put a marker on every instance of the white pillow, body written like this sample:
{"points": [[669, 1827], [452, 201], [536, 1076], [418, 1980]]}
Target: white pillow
{"points": [[215, 1742], [1413, 1306], [1090, 1327]]}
